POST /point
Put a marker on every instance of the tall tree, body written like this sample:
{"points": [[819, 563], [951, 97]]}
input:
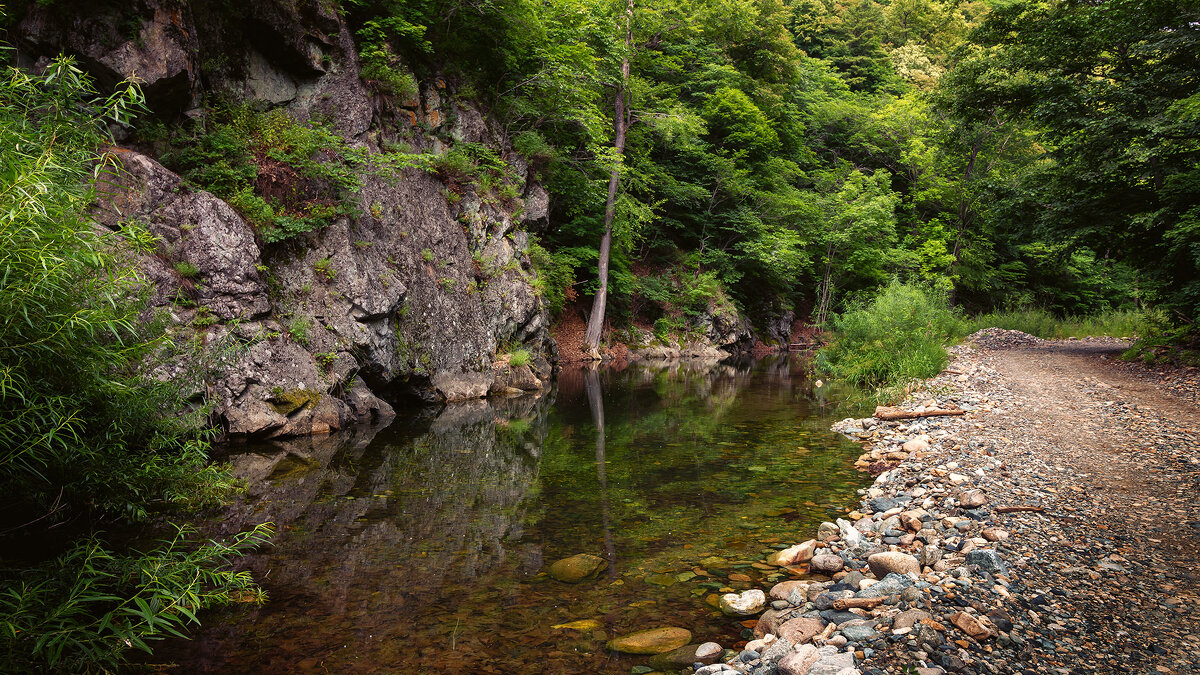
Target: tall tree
{"points": [[591, 340]]}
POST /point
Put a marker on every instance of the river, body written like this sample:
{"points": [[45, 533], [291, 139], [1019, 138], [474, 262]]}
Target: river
{"points": [[422, 546]]}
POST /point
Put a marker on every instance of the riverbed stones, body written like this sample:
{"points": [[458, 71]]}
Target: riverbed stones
{"points": [[910, 618], [784, 589], [827, 564], [745, 603], [651, 641], [893, 562], [971, 625], [826, 530], [577, 568]]}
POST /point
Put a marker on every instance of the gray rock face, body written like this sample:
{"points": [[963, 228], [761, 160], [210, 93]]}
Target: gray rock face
{"points": [[159, 48], [411, 297]]}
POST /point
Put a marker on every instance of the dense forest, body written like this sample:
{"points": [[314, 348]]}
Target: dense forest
{"points": [[798, 154], [757, 156]]}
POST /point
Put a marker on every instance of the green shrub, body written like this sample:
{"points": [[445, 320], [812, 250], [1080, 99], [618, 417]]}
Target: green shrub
{"points": [[187, 270], [325, 268], [896, 338], [89, 436], [283, 177], [299, 328], [555, 281], [518, 358], [1042, 323]]}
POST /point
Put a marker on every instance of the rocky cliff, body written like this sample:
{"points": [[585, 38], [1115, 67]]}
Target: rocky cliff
{"points": [[418, 292]]}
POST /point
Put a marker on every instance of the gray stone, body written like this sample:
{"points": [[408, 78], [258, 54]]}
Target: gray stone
{"points": [[826, 564], [859, 632], [800, 661], [892, 584], [987, 560], [910, 618], [833, 664]]}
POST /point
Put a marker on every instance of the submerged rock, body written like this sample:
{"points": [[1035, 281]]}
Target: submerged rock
{"points": [[652, 641], [576, 568]]}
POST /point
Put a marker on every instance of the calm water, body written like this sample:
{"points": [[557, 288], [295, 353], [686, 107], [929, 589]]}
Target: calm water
{"points": [[421, 547]]}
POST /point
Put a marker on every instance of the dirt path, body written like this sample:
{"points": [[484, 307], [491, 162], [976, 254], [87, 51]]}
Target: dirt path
{"points": [[1114, 455]]}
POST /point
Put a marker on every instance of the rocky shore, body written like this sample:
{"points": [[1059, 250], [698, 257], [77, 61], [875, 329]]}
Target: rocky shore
{"points": [[1002, 534]]}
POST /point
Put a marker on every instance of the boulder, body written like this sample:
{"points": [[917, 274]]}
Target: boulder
{"points": [[800, 553], [686, 655], [827, 564]]}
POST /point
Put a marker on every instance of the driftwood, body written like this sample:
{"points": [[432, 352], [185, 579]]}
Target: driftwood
{"points": [[1018, 509], [862, 603], [889, 413]]}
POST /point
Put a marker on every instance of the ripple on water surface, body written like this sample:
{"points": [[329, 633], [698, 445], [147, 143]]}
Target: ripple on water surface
{"points": [[422, 547]]}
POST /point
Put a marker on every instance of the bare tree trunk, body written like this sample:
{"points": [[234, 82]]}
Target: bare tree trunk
{"points": [[591, 340], [826, 290]]}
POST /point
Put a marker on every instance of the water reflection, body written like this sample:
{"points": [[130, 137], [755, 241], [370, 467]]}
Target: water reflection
{"points": [[421, 547]]}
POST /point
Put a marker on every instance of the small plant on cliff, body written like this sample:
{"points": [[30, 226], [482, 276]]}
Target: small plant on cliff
{"points": [[298, 328], [187, 270], [325, 268], [518, 358]]}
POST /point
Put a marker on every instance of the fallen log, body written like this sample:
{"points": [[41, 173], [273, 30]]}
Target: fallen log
{"points": [[861, 603], [1018, 509], [889, 413]]}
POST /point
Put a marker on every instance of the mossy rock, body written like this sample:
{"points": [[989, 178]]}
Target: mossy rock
{"points": [[577, 568], [288, 402]]}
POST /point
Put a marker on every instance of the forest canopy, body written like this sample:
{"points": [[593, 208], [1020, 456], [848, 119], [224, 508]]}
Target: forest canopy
{"points": [[801, 154]]}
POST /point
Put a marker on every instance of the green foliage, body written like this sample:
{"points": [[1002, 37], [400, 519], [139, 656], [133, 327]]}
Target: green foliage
{"points": [[187, 270], [299, 328], [518, 358], [1044, 324], [84, 610], [1163, 340], [325, 268], [88, 435], [555, 280], [283, 177], [896, 338]]}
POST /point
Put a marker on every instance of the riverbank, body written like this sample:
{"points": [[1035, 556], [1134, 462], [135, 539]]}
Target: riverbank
{"points": [[1049, 528]]}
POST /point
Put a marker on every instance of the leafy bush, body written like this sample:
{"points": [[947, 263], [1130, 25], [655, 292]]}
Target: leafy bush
{"points": [[555, 280], [519, 358], [89, 438], [283, 177], [896, 338]]}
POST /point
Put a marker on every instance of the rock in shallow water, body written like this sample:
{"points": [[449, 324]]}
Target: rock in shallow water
{"points": [[653, 641], [577, 568], [745, 603], [687, 655]]}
